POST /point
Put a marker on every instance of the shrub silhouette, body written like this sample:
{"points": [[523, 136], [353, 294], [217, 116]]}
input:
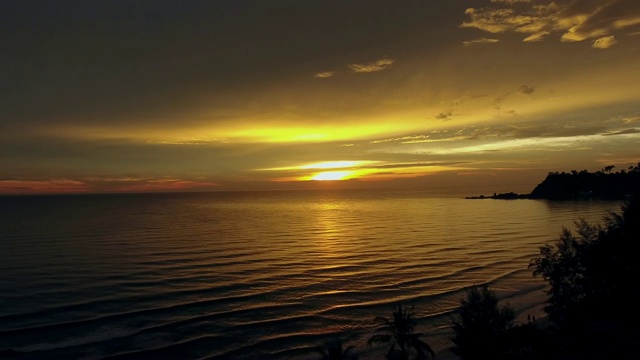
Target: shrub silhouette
{"points": [[334, 350], [565, 265], [481, 327], [399, 331]]}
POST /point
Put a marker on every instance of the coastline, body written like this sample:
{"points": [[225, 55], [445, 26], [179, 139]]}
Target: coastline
{"points": [[583, 185], [503, 196]]}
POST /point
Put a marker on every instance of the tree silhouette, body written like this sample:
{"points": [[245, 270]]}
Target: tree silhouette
{"points": [[481, 328], [604, 184], [564, 264], [592, 297], [399, 331]]}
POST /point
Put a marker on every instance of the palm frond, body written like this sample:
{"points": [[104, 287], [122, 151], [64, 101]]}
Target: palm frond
{"points": [[422, 346]]}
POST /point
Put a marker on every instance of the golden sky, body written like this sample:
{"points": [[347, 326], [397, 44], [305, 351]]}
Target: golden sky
{"points": [[228, 95]]}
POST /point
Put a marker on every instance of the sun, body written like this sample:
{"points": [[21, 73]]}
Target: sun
{"points": [[332, 175]]}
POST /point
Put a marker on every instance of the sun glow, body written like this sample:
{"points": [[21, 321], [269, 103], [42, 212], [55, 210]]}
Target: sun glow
{"points": [[335, 164], [325, 165], [332, 175]]}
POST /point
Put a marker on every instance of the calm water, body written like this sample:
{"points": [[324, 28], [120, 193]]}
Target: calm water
{"points": [[255, 274]]}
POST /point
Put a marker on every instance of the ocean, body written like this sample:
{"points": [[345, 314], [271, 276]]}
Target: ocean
{"points": [[257, 275]]}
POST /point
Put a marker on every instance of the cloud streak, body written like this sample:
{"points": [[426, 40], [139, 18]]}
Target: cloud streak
{"points": [[324, 75], [92, 184], [42, 186], [480, 41], [539, 36], [623, 132], [514, 131], [378, 65]]}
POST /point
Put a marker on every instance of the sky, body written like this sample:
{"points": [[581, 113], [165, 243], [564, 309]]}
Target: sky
{"points": [[122, 96]]}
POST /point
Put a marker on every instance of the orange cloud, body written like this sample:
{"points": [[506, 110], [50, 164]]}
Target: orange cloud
{"points": [[42, 186]]}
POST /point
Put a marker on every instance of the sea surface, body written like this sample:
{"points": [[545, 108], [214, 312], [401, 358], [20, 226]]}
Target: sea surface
{"points": [[257, 275]]}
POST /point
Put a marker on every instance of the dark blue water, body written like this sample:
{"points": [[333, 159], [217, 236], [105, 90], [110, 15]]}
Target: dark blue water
{"points": [[269, 275]]}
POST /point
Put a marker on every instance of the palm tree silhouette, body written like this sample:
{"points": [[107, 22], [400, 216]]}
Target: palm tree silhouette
{"points": [[399, 331], [333, 350], [481, 326]]}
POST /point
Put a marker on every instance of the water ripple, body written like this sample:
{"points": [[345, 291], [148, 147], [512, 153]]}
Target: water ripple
{"points": [[255, 275]]}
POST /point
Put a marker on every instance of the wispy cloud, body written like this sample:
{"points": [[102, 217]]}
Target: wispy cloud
{"points": [[555, 144], [576, 20], [90, 184], [417, 165], [513, 131], [526, 90], [480, 41], [377, 65], [511, 1], [166, 185], [190, 141], [433, 136], [495, 20], [604, 42], [539, 36], [533, 131], [622, 132], [523, 89], [444, 115], [324, 75]]}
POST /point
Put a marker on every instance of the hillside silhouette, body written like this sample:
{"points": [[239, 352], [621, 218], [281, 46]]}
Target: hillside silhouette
{"points": [[602, 184]]}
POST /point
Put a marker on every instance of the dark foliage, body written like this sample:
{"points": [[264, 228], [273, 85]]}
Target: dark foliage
{"points": [[399, 333], [335, 350], [481, 328], [593, 283], [527, 342], [564, 264]]}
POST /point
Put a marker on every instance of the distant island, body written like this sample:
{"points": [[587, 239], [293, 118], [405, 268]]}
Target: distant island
{"points": [[503, 196], [603, 184]]}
